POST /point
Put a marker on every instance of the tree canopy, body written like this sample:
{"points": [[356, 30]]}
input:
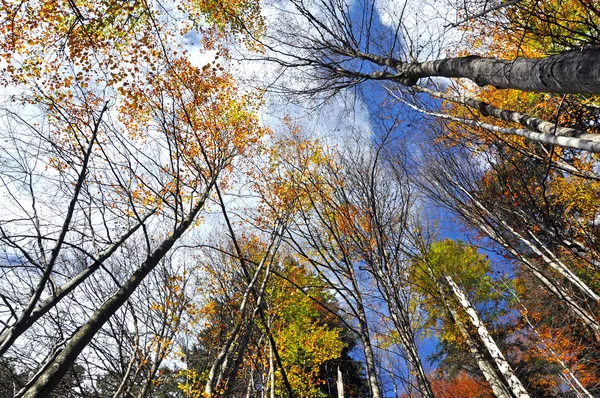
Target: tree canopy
{"points": [[167, 231]]}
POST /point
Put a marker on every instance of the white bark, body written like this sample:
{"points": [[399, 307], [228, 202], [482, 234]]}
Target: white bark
{"points": [[572, 379], [530, 122], [553, 287], [271, 370], [339, 383], [554, 263], [497, 385], [370, 362], [499, 389], [217, 364], [483, 219], [586, 142], [502, 365]]}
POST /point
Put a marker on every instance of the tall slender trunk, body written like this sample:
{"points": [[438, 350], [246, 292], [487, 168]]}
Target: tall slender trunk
{"points": [[400, 318], [250, 384], [369, 362], [586, 142], [501, 363], [49, 378], [339, 383], [531, 122], [572, 380], [572, 72], [12, 333], [498, 386], [271, 370], [365, 338], [554, 287], [24, 320]]}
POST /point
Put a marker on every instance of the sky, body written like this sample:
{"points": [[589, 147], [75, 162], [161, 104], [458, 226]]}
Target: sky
{"points": [[366, 110]]}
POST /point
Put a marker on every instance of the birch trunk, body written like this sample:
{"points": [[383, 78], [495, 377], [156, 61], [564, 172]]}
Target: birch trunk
{"points": [[339, 383], [499, 389], [217, 364], [553, 287], [501, 363], [531, 122], [271, 371], [572, 380], [554, 263], [369, 362], [498, 386], [586, 142]]}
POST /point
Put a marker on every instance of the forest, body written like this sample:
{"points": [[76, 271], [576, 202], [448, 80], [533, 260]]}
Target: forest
{"points": [[300, 198]]}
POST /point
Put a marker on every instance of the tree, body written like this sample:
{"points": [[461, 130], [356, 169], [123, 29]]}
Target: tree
{"points": [[335, 45], [118, 124], [344, 376], [306, 334], [456, 181], [131, 350], [437, 273], [351, 226], [116, 140], [551, 352]]}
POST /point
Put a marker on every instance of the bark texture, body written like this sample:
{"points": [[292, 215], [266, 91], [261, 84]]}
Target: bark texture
{"points": [[501, 363], [573, 72]]}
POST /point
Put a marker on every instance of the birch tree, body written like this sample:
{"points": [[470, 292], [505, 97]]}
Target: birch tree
{"points": [[344, 52], [351, 227], [456, 184], [325, 47], [435, 273]]}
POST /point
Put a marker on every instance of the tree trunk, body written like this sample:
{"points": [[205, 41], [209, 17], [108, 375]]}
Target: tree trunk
{"points": [[586, 142], [339, 383], [49, 378], [498, 386], [572, 379], [499, 389], [11, 334], [531, 122], [553, 287], [501, 363], [402, 323], [572, 72], [271, 371], [554, 263], [370, 364]]}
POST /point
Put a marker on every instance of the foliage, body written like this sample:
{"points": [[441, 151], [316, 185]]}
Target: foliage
{"points": [[116, 142], [468, 269], [461, 385], [306, 335]]}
